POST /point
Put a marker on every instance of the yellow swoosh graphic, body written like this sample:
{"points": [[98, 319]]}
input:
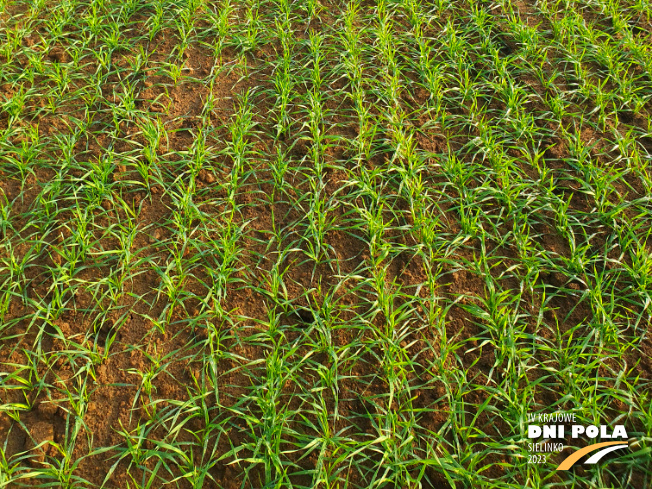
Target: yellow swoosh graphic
{"points": [[574, 457]]}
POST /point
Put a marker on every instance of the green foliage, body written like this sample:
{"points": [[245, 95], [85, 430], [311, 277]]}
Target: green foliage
{"points": [[321, 244]]}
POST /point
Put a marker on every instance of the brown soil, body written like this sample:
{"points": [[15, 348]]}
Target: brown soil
{"points": [[140, 332]]}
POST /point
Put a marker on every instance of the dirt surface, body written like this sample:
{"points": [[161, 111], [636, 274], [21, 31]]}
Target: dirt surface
{"points": [[168, 339]]}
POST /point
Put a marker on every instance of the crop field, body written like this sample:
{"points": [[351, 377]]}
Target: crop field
{"points": [[318, 244]]}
